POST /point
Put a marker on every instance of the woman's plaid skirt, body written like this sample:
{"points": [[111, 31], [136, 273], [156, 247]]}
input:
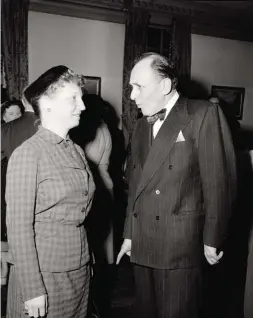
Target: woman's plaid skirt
{"points": [[68, 294]]}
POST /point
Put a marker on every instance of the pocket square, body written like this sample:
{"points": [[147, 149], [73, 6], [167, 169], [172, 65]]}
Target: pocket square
{"points": [[180, 137]]}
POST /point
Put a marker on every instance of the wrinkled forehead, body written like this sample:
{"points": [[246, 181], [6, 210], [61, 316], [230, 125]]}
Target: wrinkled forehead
{"points": [[142, 73]]}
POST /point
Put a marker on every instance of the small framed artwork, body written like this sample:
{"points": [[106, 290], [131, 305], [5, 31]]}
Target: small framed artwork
{"points": [[232, 97], [92, 85]]}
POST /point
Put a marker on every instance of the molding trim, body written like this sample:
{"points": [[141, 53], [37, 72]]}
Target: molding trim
{"points": [[206, 19], [77, 10]]}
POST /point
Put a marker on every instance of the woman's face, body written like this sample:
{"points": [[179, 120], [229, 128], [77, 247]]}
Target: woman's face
{"points": [[66, 105], [11, 113]]}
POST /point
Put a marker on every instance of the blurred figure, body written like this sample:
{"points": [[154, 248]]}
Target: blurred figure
{"points": [[93, 136], [233, 123], [12, 110], [49, 191]]}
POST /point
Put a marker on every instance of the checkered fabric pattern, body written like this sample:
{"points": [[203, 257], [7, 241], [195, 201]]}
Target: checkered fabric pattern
{"points": [[68, 294], [49, 192]]}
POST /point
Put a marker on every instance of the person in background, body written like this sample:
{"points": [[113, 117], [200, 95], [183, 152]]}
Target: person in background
{"points": [[181, 191], [20, 125], [14, 133], [49, 191], [93, 136], [233, 123], [11, 110]]}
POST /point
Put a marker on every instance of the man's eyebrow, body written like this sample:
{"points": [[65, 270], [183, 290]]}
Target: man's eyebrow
{"points": [[135, 84]]}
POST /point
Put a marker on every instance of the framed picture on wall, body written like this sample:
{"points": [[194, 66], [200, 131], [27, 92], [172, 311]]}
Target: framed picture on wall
{"points": [[232, 97], [93, 85]]}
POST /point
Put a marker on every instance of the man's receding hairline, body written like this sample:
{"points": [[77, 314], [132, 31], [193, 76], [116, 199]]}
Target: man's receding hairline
{"points": [[150, 57]]}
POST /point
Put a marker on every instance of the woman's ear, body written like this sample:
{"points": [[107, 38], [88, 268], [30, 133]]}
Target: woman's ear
{"points": [[44, 104], [166, 86]]}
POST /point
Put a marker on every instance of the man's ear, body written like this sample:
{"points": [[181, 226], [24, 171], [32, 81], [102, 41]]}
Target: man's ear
{"points": [[166, 86]]}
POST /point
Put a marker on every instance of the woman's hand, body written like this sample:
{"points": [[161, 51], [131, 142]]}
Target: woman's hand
{"points": [[36, 307]]}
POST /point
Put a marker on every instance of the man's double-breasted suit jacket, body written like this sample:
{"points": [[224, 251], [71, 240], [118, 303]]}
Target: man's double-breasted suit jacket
{"points": [[182, 188]]}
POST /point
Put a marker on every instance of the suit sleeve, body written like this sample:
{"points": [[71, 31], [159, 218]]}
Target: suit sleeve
{"points": [[131, 188], [218, 175], [3, 143], [21, 189]]}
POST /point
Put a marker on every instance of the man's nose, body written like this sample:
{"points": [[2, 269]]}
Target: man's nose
{"points": [[82, 106], [133, 94]]}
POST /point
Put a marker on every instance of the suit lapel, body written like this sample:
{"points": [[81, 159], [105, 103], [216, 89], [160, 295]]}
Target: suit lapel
{"points": [[177, 120], [143, 146]]}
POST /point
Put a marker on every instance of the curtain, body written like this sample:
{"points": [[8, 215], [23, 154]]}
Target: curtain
{"points": [[180, 53], [14, 22], [135, 45]]}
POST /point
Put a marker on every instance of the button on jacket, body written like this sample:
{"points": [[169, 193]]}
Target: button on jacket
{"points": [[47, 178]]}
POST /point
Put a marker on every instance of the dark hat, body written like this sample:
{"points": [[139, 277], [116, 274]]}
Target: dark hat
{"points": [[34, 91], [41, 84]]}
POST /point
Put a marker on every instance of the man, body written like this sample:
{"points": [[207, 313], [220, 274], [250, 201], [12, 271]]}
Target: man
{"points": [[181, 189]]}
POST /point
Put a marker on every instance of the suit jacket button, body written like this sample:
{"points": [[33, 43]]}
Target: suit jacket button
{"points": [[157, 217], [157, 191], [134, 166], [83, 210], [135, 215], [85, 193], [170, 167]]}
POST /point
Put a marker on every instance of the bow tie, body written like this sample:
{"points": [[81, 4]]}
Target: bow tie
{"points": [[160, 115]]}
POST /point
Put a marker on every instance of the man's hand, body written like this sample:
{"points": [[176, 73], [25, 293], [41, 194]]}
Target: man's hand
{"points": [[125, 249], [36, 307], [211, 254]]}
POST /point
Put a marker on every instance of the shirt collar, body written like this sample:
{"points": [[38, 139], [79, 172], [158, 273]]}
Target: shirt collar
{"points": [[171, 103], [52, 137]]}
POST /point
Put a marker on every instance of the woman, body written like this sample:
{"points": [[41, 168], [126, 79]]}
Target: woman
{"points": [[49, 193], [11, 110]]}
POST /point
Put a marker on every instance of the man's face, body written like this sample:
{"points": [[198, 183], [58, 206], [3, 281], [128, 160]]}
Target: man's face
{"points": [[214, 100], [147, 88]]}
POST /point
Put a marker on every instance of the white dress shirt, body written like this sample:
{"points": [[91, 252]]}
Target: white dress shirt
{"points": [[158, 124]]}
